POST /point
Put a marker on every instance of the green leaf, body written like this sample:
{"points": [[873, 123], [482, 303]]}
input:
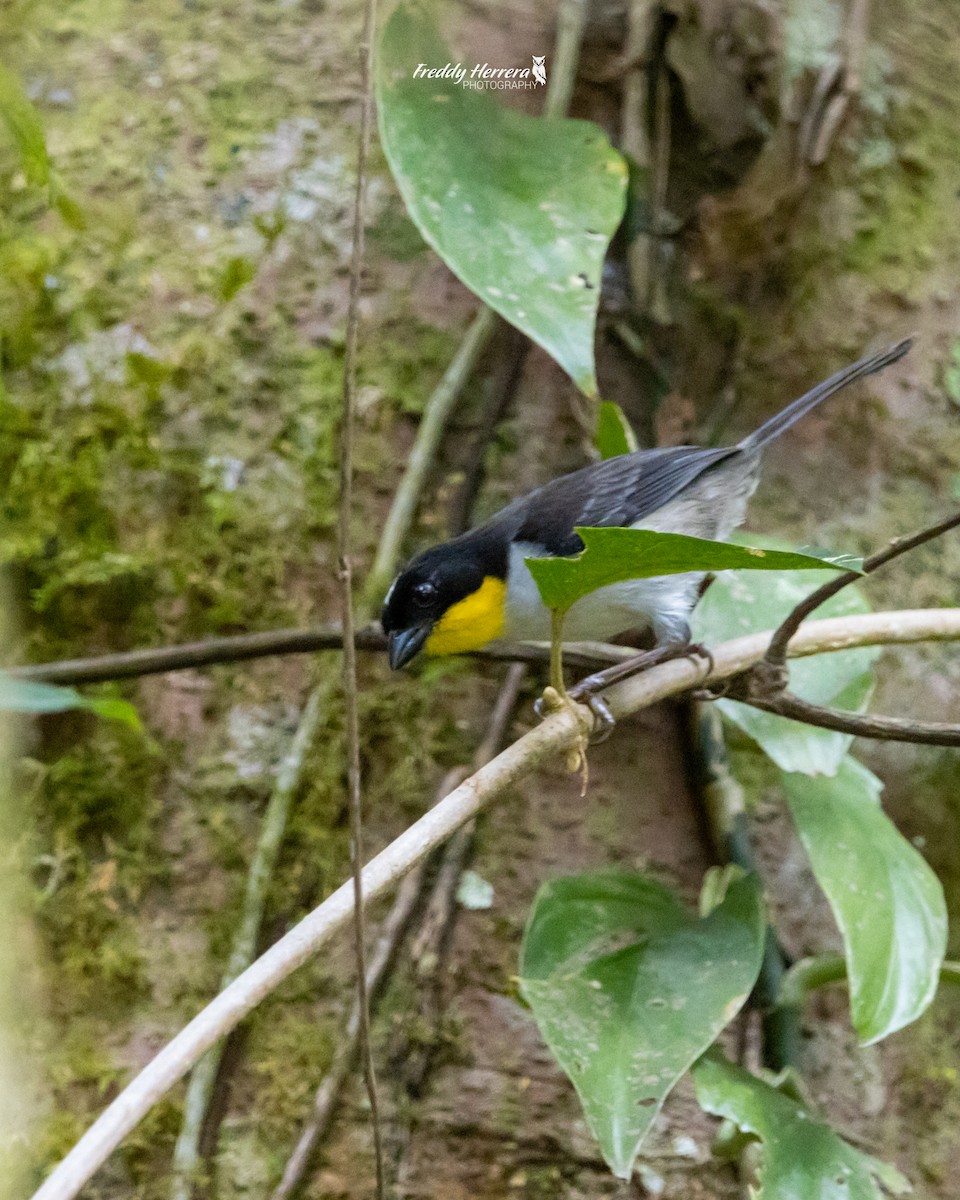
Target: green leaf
{"points": [[803, 1159], [887, 902], [521, 208], [24, 696], [236, 274], [735, 605], [26, 131], [616, 555], [614, 435], [628, 988]]}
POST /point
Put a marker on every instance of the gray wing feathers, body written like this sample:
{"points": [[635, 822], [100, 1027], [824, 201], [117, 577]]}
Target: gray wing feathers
{"points": [[617, 492], [625, 490]]}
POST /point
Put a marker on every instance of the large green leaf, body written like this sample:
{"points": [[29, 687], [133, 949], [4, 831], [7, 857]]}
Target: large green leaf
{"points": [[24, 127], [629, 988], [520, 208], [23, 696], [803, 1159], [614, 435], [735, 605], [887, 902], [614, 555]]}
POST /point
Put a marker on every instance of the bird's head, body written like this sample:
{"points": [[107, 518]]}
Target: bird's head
{"points": [[448, 600]]}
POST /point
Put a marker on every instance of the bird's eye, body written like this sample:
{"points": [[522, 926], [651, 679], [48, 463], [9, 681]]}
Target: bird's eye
{"points": [[424, 593]]}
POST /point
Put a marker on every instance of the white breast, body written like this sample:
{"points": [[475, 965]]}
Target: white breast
{"points": [[662, 604]]}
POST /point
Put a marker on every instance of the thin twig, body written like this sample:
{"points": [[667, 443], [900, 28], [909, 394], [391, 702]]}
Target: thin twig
{"points": [[435, 417], [327, 1095], [427, 948], [864, 725], [344, 555], [571, 18], [634, 138], [776, 655], [510, 352], [855, 47], [656, 302], [557, 732], [441, 403], [185, 656], [134, 664], [391, 934], [186, 1155]]}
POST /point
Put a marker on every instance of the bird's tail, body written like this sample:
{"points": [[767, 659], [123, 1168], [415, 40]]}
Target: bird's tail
{"points": [[799, 408]]}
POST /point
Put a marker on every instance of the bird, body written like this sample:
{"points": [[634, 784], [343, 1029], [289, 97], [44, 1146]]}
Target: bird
{"points": [[457, 597]]}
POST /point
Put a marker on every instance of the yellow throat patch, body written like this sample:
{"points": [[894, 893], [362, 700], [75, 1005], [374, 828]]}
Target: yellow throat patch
{"points": [[471, 622]]}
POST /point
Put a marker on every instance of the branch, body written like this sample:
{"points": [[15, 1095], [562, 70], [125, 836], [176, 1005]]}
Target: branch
{"points": [[510, 354], [776, 655], [435, 417], [186, 1154], [556, 733], [570, 23], [345, 563], [133, 664], [392, 931], [890, 729]]}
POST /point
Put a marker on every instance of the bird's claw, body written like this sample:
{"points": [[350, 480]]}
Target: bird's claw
{"points": [[699, 650], [603, 719], [551, 701]]}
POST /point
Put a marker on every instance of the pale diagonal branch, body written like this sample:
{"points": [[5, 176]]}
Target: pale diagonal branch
{"points": [[555, 734], [392, 931]]}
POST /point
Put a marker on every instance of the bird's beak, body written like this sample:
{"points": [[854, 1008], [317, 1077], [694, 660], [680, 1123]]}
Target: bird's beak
{"points": [[405, 644]]}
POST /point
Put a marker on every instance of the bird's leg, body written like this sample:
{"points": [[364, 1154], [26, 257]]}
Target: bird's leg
{"points": [[556, 697], [556, 654], [587, 689]]}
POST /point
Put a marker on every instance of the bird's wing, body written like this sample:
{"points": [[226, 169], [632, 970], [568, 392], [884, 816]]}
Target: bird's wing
{"points": [[618, 491]]}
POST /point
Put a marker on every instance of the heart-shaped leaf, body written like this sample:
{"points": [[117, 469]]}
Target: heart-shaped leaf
{"points": [[24, 696], [614, 555], [887, 902], [628, 988], [520, 208], [803, 1159], [735, 605]]}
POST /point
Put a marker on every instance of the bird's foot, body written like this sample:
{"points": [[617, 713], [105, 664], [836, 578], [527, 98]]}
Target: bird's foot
{"points": [[552, 701], [587, 690]]}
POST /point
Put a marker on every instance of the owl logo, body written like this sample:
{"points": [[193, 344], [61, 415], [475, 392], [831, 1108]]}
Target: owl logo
{"points": [[539, 70]]}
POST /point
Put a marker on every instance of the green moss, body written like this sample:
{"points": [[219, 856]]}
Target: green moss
{"points": [[289, 1051], [93, 858]]}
